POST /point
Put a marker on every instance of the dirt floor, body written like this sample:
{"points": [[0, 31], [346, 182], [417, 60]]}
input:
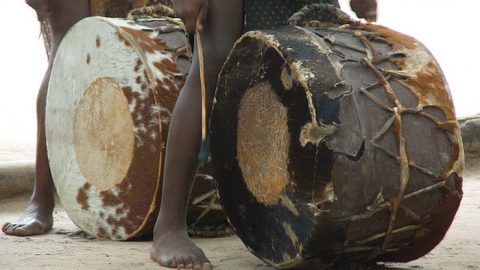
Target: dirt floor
{"points": [[65, 247]]}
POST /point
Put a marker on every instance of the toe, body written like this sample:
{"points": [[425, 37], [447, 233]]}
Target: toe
{"points": [[202, 266], [33, 228], [11, 229], [162, 260], [207, 266], [180, 263], [188, 263], [172, 263], [6, 226]]}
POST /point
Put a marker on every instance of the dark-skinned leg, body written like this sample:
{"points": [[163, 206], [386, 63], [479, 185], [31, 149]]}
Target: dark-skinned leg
{"points": [[171, 245], [37, 218]]}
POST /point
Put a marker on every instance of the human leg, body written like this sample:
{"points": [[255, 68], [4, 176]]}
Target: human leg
{"points": [[171, 244], [37, 218]]}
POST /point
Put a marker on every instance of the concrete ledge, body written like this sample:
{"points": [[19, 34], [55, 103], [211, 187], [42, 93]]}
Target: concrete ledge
{"points": [[470, 128], [16, 177]]}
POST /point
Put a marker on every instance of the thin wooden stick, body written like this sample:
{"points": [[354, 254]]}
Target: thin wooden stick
{"points": [[198, 41]]}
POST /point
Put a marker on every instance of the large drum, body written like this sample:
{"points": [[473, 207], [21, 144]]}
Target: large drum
{"points": [[112, 89], [335, 144]]}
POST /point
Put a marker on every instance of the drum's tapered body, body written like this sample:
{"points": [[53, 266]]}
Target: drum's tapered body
{"points": [[112, 90], [335, 145]]}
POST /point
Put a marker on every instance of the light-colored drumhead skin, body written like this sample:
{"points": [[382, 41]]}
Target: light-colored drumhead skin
{"points": [[111, 92], [264, 165]]}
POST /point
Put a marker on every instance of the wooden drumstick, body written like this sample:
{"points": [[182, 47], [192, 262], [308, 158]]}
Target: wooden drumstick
{"points": [[203, 153]]}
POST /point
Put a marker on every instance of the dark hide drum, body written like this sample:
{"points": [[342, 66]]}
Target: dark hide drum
{"points": [[112, 90], [335, 144]]}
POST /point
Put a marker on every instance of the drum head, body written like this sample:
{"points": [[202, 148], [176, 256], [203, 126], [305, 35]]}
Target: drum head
{"points": [[112, 88]]}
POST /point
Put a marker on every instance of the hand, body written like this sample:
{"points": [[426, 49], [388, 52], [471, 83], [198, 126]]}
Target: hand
{"points": [[42, 7], [192, 12], [365, 9]]}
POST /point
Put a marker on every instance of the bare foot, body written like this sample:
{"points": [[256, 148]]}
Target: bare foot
{"points": [[37, 219], [176, 250]]}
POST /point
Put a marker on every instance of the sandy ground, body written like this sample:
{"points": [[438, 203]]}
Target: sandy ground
{"points": [[65, 247]]}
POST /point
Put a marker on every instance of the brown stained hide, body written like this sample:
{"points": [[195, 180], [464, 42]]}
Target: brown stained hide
{"points": [[169, 93], [110, 221], [145, 41], [126, 89], [428, 84], [119, 211], [162, 96], [430, 88], [146, 167], [167, 65], [101, 233], [397, 40], [82, 197], [98, 42], [123, 198], [109, 199], [123, 39], [137, 66]]}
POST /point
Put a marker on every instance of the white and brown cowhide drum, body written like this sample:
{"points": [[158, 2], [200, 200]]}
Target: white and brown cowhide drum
{"points": [[112, 89], [335, 144]]}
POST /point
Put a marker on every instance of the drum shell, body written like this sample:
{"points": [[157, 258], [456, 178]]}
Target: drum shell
{"points": [[112, 90], [353, 133]]}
